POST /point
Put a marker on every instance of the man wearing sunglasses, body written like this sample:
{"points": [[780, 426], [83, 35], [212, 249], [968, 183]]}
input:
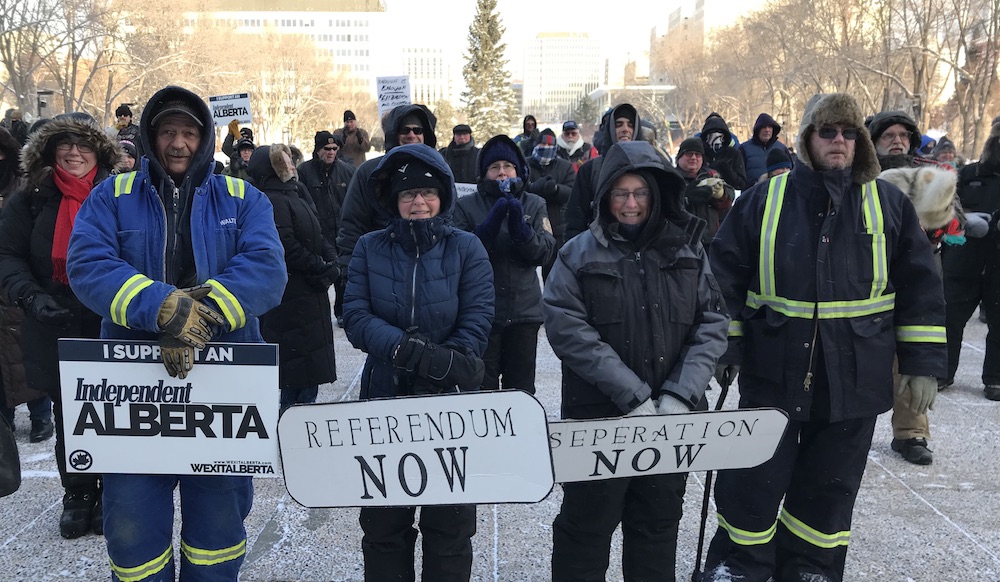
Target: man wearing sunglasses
{"points": [[828, 276], [327, 176], [403, 125]]}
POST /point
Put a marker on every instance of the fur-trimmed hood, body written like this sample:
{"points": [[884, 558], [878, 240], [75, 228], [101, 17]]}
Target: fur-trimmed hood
{"points": [[270, 162], [38, 155], [833, 108], [930, 189]]}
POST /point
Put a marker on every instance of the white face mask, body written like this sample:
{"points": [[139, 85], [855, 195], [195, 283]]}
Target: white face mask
{"points": [[715, 141]]}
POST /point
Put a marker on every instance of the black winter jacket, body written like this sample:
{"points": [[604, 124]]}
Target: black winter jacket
{"points": [[561, 173], [328, 188], [462, 161]]}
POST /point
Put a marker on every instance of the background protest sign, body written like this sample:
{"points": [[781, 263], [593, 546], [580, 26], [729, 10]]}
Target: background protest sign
{"points": [[631, 446], [474, 447], [392, 92], [123, 413], [226, 108]]}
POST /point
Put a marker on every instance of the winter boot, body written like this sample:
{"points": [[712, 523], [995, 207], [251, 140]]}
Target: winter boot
{"points": [[78, 513], [913, 450], [992, 392], [41, 430]]}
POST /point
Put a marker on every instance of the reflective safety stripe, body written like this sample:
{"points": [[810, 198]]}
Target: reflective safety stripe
{"points": [[825, 309], [877, 302], [934, 334], [743, 537], [735, 329], [230, 307], [200, 557], [813, 536], [237, 188], [123, 183], [127, 292], [143, 571]]}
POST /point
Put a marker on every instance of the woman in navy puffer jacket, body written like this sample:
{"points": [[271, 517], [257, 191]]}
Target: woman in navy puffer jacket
{"points": [[419, 301]]}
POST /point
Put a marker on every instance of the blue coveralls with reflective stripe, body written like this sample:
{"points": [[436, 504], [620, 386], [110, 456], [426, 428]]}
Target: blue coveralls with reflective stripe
{"points": [[116, 262], [817, 274]]}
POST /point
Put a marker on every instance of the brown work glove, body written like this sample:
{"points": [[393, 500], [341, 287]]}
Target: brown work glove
{"points": [[177, 356], [185, 317], [234, 128]]}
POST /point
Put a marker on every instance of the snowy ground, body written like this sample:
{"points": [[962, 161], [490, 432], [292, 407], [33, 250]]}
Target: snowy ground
{"points": [[924, 524]]}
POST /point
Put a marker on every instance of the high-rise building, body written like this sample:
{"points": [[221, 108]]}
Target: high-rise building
{"points": [[435, 75], [559, 68]]}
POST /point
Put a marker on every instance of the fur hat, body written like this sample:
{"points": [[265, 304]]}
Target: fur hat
{"points": [[931, 190], [691, 144], [778, 158], [38, 155], [830, 109], [272, 160]]}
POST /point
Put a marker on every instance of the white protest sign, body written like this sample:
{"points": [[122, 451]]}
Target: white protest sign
{"points": [[475, 447], [226, 108], [465, 189], [392, 92], [631, 446], [123, 413]]}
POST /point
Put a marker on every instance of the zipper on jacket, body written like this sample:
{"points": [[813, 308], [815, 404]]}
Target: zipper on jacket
{"points": [[171, 239], [413, 278], [807, 383]]}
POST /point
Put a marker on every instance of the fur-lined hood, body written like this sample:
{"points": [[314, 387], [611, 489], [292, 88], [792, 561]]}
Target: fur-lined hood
{"points": [[273, 161], [930, 189], [829, 109], [38, 155]]}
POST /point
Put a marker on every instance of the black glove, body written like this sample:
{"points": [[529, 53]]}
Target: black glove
{"points": [[45, 309], [327, 276], [177, 356], [537, 186], [442, 365], [408, 353], [550, 187], [520, 231], [489, 228]]}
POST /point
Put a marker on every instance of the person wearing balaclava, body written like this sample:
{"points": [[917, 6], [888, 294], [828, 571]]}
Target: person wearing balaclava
{"points": [[620, 123], [720, 154], [513, 225], [632, 311], [552, 178]]}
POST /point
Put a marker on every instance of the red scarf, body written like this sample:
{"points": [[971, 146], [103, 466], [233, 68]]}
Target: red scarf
{"points": [[74, 191]]}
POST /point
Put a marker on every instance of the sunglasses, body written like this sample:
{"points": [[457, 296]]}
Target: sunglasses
{"points": [[331, 148], [406, 129], [849, 134]]}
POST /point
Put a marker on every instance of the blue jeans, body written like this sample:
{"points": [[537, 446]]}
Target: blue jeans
{"points": [[302, 395]]}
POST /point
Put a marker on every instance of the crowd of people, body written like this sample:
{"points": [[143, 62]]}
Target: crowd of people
{"points": [[656, 278]]}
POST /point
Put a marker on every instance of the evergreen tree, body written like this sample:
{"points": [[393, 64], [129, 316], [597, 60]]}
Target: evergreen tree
{"points": [[489, 99], [586, 112]]}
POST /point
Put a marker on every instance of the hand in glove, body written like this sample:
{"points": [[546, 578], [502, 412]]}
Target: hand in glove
{"points": [[538, 186], [922, 391], [726, 373], [326, 277], [489, 228], [177, 356], [185, 317], [440, 364], [667, 404], [234, 128], [716, 185], [45, 309], [520, 231], [977, 224], [647, 408]]}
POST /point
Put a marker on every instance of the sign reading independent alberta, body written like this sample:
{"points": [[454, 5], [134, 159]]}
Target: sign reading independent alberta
{"points": [[122, 412], [478, 447]]}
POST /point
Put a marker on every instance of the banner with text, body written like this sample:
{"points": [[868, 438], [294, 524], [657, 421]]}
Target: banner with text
{"points": [[631, 446], [474, 447], [122, 412], [392, 92], [226, 108]]}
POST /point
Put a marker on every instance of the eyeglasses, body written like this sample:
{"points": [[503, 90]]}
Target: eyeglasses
{"points": [[428, 194], [621, 195], [416, 129], [891, 137], [330, 148], [850, 134], [501, 165], [83, 148]]}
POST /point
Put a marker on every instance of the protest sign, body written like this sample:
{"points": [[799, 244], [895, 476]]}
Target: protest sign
{"points": [[392, 92], [630, 446], [226, 108], [122, 412], [478, 447]]}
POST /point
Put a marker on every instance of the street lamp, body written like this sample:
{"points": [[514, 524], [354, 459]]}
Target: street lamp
{"points": [[42, 102]]}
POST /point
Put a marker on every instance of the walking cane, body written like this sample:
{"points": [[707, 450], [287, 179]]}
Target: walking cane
{"points": [[727, 379]]}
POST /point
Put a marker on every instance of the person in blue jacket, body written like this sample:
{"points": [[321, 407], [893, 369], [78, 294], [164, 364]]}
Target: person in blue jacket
{"points": [[177, 254], [419, 302], [757, 148]]}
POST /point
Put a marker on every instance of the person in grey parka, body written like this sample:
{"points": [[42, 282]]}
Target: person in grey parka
{"points": [[634, 313]]}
